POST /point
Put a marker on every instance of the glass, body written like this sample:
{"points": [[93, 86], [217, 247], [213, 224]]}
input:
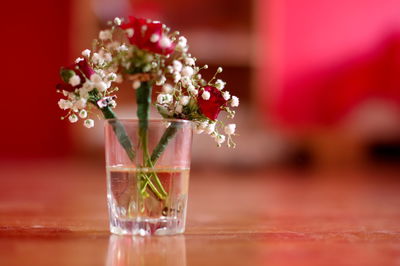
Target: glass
{"points": [[139, 251], [147, 175]]}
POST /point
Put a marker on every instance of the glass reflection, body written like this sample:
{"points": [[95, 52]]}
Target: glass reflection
{"points": [[135, 250]]}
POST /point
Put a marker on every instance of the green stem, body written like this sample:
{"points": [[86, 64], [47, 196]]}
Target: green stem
{"points": [[120, 132], [169, 133], [153, 187], [117, 126], [151, 164], [143, 100]]}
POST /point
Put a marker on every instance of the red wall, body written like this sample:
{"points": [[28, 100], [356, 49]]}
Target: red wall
{"points": [[34, 44], [320, 59]]}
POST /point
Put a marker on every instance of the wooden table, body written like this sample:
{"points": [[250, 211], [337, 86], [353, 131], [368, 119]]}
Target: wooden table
{"points": [[54, 213]]}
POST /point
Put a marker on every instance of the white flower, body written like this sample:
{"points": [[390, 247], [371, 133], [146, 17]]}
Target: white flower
{"points": [[97, 59], [164, 98], [95, 78], [182, 43], [112, 104], [161, 80], [198, 130], [200, 127], [178, 108], [147, 68], [117, 21], [219, 84], [206, 95], [122, 48], [73, 118], [177, 65], [186, 82], [226, 95], [86, 53], [189, 61], [112, 76], [136, 84], [129, 32], [184, 100], [219, 69], [187, 71], [154, 38], [89, 123], [235, 101], [168, 88], [192, 90], [101, 86], [113, 45], [64, 104], [75, 80], [177, 77], [170, 69], [88, 85], [210, 128], [165, 42], [107, 57], [230, 129], [203, 125], [83, 113], [80, 104], [79, 59], [105, 35], [220, 139], [83, 93]]}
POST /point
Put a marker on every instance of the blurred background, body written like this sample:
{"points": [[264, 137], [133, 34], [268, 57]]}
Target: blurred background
{"points": [[318, 81]]}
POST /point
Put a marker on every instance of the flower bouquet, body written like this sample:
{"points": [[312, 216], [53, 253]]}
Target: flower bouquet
{"points": [[147, 160]]}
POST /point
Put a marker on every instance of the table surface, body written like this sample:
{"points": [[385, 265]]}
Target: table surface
{"points": [[54, 213]]}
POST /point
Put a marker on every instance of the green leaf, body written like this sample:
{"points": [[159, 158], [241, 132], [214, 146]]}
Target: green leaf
{"points": [[66, 74]]}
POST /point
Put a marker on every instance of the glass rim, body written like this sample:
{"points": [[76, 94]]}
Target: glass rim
{"points": [[150, 120]]}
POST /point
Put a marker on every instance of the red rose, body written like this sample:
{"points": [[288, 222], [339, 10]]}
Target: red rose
{"points": [[85, 69], [64, 87], [148, 36], [211, 107], [82, 69]]}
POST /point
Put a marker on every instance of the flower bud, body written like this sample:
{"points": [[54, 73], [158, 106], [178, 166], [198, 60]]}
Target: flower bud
{"points": [[230, 129], [89, 123], [73, 118], [205, 95]]}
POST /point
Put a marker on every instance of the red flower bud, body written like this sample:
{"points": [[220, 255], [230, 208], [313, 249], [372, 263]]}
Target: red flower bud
{"points": [[148, 36], [85, 69], [64, 87], [211, 107], [82, 69]]}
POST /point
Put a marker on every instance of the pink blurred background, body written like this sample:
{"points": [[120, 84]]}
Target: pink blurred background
{"points": [[319, 81]]}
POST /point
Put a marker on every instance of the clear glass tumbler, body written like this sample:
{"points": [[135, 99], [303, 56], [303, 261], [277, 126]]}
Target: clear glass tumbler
{"points": [[148, 166]]}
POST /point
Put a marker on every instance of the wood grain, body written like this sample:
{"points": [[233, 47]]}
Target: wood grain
{"points": [[54, 213]]}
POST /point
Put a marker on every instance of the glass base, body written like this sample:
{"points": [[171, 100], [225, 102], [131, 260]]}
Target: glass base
{"points": [[147, 226]]}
